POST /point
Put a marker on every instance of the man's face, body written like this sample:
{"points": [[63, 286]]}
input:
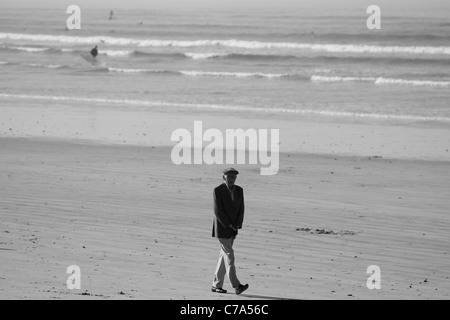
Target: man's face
{"points": [[230, 179]]}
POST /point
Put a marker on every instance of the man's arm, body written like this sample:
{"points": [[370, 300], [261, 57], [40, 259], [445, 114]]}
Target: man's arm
{"points": [[240, 217], [219, 212]]}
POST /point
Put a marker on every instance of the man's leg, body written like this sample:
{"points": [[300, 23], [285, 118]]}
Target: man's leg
{"points": [[228, 260], [219, 275]]}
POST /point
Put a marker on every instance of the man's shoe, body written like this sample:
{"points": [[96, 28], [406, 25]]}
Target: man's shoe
{"points": [[241, 288], [218, 290]]}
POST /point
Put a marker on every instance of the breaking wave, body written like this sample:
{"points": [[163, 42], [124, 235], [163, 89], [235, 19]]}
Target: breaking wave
{"points": [[232, 43]]}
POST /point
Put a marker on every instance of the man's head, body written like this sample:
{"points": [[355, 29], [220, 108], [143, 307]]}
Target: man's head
{"points": [[229, 176]]}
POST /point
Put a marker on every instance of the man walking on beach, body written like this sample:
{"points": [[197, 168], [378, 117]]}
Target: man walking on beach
{"points": [[228, 218]]}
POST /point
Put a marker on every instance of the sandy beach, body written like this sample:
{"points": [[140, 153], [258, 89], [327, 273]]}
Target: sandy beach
{"points": [[139, 227]]}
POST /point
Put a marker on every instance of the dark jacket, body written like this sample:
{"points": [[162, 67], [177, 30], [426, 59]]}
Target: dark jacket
{"points": [[227, 212]]}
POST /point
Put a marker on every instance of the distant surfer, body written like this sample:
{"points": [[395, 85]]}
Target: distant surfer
{"points": [[94, 52], [111, 14], [91, 57]]}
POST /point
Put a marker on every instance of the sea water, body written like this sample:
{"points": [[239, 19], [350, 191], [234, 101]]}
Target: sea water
{"points": [[280, 62]]}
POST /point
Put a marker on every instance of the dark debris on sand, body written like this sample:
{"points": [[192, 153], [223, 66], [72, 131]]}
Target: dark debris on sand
{"points": [[323, 231]]}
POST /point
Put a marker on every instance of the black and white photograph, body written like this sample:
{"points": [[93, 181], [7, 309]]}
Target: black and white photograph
{"points": [[247, 151]]}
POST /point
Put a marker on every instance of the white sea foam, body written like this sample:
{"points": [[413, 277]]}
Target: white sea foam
{"points": [[116, 53], [29, 49], [232, 43], [323, 70], [422, 83], [51, 66], [233, 74], [202, 73], [203, 56], [383, 81], [317, 78], [234, 108], [122, 70], [125, 70]]}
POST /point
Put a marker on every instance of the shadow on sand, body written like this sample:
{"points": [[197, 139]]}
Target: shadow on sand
{"points": [[255, 296]]}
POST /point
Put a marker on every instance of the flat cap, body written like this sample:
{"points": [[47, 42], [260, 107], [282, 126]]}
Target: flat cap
{"points": [[230, 171]]}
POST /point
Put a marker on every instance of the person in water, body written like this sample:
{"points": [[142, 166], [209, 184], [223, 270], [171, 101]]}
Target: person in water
{"points": [[94, 52]]}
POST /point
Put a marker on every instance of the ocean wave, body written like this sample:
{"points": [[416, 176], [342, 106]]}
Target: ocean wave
{"points": [[127, 70], [420, 83], [317, 78], [116, 53], [232, 43], [160, 55], [266, 57], [328, 71], [191, 73], [204, 56], [34, 49], [261, 57], [29, 49], [35, 65], [234, 108], [270, 57], [234, 74], [364, 36], [291, 76], [387, 60], [51, 66], [110, 53], [194, 73], [381, 81]]}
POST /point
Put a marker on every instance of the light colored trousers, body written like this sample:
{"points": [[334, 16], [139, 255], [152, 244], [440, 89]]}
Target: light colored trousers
{"points": [[225, 264]]}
